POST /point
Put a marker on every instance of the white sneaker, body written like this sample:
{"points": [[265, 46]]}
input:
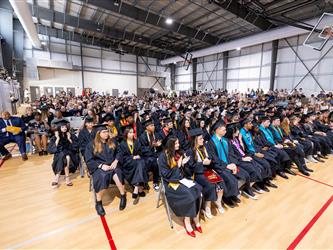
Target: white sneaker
{"points": [[207, 214], [311, 159]]}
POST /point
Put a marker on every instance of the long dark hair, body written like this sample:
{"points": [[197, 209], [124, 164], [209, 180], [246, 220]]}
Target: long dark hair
{"points": [[170, 151]]}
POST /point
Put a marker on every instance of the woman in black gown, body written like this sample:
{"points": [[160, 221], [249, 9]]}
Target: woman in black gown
{"points": [[201, 168], [133, 167], [184, 200], [86, 134], [64, 145], [102, 160]]}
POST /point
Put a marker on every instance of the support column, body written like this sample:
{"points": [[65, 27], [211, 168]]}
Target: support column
{"points": [[173, 75], [18, 54], [82, 68], [137, 74], [6, 31], [275, 46], [194, 74], [225, 70]]}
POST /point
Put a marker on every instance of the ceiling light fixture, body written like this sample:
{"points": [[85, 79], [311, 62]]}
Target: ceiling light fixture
{"points": [[238, 48], [169, 21]]}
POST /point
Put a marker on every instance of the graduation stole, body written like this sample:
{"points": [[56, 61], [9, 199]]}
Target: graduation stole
{"points": [[173, 161], [222, 148], [268, 134], [134, 130], [202, 155], [123, 122], [131, 147], [149, 138], [247, 137], [277, 132]]}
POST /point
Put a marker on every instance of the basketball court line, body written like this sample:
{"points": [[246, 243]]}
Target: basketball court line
{"points": [[307, 228], [320, 182], [10, 150], [64, 228]]}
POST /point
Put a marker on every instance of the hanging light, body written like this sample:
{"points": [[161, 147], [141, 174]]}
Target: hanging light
{"points": [[169, 21]]}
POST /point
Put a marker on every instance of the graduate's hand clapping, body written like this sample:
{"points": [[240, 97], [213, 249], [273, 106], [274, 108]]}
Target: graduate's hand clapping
{"points": [[206, 161], [185, 159]]}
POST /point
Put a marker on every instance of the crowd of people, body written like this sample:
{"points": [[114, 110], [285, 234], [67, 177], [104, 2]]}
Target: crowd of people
{"points": [[207, 148]]}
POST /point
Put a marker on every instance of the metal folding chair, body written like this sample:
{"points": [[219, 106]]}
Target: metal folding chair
{"points": [[162, 196]]}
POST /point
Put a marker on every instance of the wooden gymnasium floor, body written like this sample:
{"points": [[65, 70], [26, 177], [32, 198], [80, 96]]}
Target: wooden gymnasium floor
{"points": [[34, 216]]}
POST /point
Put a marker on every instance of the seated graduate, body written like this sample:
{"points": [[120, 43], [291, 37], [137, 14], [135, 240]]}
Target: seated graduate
{"points": [[294, 151], [297, 132], [102, 161], [265, 159], [184, 138], [321, 124], [39, 130], [315, 136], [269, 153], [201, 168], [132, 166], [245, 161], [109, 119], [86, 134], [218, 149], [203, 125], [268, 141], [12, 129], [150, 148], [283, 130], [184, 200], [321, 129], [64, 145], [166, 131]]}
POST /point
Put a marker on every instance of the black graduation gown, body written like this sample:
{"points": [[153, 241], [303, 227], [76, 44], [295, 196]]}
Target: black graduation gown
{"points": [[60, 152], [283, 158], [102, 179], [134, 170], [254, 170], [230, 180], [298, 135], [84, 138], [197, 169], [161, 135], [150, 154], [324, 143], [184, 140], [184, 201]]}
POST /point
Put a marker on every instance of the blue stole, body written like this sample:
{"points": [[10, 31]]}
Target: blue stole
{"points": [[277, 133], [268, 134], [247, 137], [222, 148]]}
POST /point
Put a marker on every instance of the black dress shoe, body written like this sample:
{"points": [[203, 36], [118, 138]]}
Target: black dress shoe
{"points": [[142, 194], [322, 156], [307, 169], [235, 199], [24, 157], [40, 153], [7, 157], [123, 201], [270, 184], [283, 175], [289, 171], [135, 196], [304, 172], [99, 208], [45, 153], [318, 159], [228, 202], [263, 187]]}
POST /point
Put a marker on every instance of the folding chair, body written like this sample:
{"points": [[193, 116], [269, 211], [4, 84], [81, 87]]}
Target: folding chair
{"points": [[81, 164], [162, 196]]}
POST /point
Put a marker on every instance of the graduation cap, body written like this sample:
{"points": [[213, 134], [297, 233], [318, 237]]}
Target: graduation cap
{"points": [[187, 110], [233, 125], [245, 121], [263, 118], [88, 119], [61, 122], [148, 122], [311, 113], [167, 120], [128, 114], [217, 125], [100, 127], [109, 117], [276, 117], [205, 109], [195, 132]]}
